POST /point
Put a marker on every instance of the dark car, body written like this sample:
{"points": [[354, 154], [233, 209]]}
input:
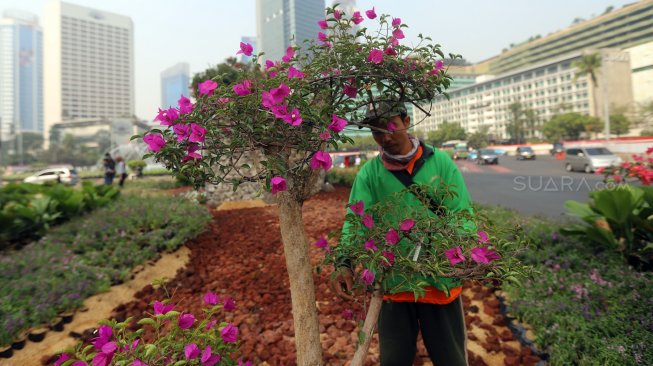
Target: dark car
{"points": [[525, 153], [487, 156], [557, 148]]}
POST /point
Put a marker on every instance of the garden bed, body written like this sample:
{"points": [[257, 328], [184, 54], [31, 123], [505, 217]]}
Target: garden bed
{"points": [[87, 255], [241, 256]]}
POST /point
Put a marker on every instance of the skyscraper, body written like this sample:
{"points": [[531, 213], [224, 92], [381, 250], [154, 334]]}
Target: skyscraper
{"points": [[280, 23], [174, 82], [90, 64], [21, 74]]}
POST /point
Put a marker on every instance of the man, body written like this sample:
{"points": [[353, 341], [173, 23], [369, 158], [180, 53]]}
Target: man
{"points": [[439, 316], [109, 169]]}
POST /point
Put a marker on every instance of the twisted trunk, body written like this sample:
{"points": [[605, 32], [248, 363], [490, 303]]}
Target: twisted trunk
{"points": [[369, 326], [300, 274]]}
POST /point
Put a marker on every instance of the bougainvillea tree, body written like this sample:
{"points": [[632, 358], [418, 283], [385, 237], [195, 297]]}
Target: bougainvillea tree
{"points": [[274, 124]]}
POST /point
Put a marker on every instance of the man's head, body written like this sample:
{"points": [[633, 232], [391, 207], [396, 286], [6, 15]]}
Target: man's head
{"points": [[389, 123]]}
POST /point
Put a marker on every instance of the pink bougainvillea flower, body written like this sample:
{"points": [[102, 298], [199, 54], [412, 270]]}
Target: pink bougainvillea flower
{"points": [[277, 184], [105, 332], [224, 100], [370, 13], [375, 56], [102, 359], [368, 221], [207, 87], [357, 18], [369, 245], [186, 321], [293, 118], [280, 111], [242, 89], [350, 91], [484, 255], [182, 131], [321, 37], [229, 304], [62, 358], [229, 333], [138, 362], [482, 237], [367, 277], [323, 24], [294, 73], [322, 243], [390, 257], [290, 53], [269, 64], [439, 65], [337, 124], [396, 22], [211, 298], [197, 134], [348, 314], [191, 351], [398, 33], [185, 106], [337, 14], [325, 136], [321, 160], [208, 358], [455, 255], [246, 49], [171, 115], [599, 171], [154, 142], [160, 308], [358, 208], [210, 324], [267, 100], [390, 51], [191, 153], [407, 225], [391, 126], [392, 237], [280, 93]]}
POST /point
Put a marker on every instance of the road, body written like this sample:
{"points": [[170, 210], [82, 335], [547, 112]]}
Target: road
{"points": [[535, 187]]}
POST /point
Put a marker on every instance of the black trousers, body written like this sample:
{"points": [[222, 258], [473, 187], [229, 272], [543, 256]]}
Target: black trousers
{"points": [[442, 327]]}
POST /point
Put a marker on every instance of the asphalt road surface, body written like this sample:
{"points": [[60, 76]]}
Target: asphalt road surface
{"points": [[534, 187]]}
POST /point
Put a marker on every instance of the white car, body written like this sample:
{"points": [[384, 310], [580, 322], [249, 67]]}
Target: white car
{"points": [[63, 175]]}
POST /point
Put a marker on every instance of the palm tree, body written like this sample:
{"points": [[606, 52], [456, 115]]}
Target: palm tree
{"points": [[589, 64]]}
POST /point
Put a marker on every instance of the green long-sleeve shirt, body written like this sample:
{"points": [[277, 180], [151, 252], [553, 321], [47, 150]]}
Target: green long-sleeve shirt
{"points": [[374, 184]]}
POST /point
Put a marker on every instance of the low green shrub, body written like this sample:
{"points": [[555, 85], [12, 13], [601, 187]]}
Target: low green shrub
{"points": [[86, 255], [343, 176]]}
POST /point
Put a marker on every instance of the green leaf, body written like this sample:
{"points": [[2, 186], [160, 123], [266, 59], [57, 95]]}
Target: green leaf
{"points": [[147, 321], [150, 349]]}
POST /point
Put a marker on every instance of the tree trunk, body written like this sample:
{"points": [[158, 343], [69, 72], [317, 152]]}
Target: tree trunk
{"points": [[302, 288], [369, 326]]}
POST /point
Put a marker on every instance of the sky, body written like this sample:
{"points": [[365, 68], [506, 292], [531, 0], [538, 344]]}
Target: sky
{"points": [[205, 32]]}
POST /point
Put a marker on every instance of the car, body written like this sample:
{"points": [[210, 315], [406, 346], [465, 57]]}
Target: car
{"points": [[63, 175], [589, 159], [500, 152], [487, 156], [473, 155], [557, 148], [525, 152]]}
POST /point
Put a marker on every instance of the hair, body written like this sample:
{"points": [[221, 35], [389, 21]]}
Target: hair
{"points": [[374, 122], [118, 158]]}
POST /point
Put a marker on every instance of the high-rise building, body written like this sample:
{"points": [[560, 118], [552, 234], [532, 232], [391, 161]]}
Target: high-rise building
{"points": [[281, 23], [90, 64], [251, 41], [21, 74], [175, 81]]}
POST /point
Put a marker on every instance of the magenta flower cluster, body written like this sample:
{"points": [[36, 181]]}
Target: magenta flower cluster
{"points": [[479, 255]]}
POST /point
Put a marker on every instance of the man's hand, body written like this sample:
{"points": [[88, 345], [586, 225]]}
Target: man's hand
{"points": [[343, 283]]}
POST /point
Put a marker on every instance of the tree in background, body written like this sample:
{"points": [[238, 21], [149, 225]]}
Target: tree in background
{"points": [[226, 73], [532, 121], [566, 126], [516, 125], [479, 138], [593, 125], [589, 65], [619, 124], [445, 132], [644, 115]]}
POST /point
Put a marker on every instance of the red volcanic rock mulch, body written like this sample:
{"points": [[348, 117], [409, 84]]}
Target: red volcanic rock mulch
{"points": [[240, 255]]}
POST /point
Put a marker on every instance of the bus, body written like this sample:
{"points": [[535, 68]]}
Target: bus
{"points": [[457, 149]]}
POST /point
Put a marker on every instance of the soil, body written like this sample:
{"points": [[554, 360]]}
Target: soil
{"points": [[240, 255]]}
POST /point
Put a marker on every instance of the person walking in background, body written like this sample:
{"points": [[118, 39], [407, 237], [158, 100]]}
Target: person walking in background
{"points": [[109, 169], [121, 170]]}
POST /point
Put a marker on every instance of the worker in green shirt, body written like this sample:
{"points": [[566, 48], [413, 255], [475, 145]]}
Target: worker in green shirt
{"points": [[404, 160]]}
